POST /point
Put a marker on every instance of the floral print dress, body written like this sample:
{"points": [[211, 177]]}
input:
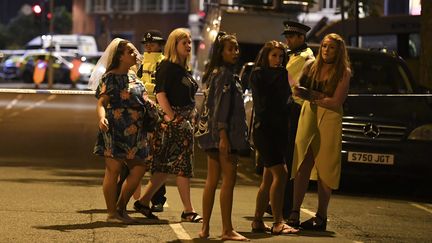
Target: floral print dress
{"points": [[125, 138]]}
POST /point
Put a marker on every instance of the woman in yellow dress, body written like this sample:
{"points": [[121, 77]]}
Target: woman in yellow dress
{"points": [[317, 154]]}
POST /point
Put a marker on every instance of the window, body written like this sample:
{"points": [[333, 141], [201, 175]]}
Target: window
{"points": [[163, 6], [99, 6], [329, 4], [151, 6], [177, 6], [377, 76], [123, 5]]}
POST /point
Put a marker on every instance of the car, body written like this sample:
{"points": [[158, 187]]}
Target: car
{"points": [[387, 120], [88, 62], [9, 68], [62, 64]]}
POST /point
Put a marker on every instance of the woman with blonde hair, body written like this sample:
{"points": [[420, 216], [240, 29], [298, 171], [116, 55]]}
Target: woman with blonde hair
{"points": [[319, 136], [173, 145]]}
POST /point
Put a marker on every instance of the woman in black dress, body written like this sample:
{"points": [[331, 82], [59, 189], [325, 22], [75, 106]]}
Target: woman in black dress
{"points": [[270, 92], [173, 146]]}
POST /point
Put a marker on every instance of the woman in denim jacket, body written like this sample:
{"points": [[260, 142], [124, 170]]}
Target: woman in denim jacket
{"points": [[227, 132]]}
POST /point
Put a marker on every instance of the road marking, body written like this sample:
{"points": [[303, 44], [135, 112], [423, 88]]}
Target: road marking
{"points": [[421, 207], [13, 102], [308, 212], [180, 231], [244, 177]]}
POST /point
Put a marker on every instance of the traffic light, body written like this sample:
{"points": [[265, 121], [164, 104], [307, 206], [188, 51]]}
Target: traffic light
{"points": [[37, 10]]}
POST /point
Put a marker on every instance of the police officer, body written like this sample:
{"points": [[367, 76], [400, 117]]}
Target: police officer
{"points": [[153, 45], [299, 55]]}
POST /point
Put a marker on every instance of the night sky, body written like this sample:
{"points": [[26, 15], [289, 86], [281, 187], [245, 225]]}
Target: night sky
{"points": [[10, 8]]}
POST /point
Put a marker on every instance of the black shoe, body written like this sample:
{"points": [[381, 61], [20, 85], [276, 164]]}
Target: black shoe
{"points": [[269, 210], [317, 223], [157, 207], [294, 221], [146, 211]]}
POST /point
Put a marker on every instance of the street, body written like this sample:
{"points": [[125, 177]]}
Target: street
{"points": [[51, 188]]}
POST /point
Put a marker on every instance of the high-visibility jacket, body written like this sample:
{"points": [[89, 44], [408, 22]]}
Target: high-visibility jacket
{"points": [[149, 64], [39, 71], [74, 72]]}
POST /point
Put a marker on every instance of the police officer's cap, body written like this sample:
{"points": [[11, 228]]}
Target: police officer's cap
{"points": [[292, 27], [153, 36]]}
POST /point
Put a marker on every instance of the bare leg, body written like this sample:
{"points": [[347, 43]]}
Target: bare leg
{"points": [[183, 187], [155, 182], [213, 175], [324, 193], [137, 193], [277, 189], [136, 172], [301, 182], [229, 171], [263, 195], [112, 171]]}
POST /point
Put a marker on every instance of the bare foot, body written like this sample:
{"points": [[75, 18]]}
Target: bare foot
{"points": [[125, 217], [203, 235], [233, 235]]}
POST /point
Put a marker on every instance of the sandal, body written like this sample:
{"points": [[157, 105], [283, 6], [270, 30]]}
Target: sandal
{"points": [[145, 210], [258, 226], [286, 229], [294, 222], [317, 223], [191, 217]]}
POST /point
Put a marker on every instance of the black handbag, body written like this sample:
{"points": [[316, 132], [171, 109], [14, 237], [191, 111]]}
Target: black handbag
{"points": [[152, 117]]}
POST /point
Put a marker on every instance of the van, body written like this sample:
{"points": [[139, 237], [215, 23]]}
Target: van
{"points": [[252, 27], [82, 44]]}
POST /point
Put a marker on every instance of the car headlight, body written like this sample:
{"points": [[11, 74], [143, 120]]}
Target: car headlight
{"points": [[85, 68], [423, 133]]}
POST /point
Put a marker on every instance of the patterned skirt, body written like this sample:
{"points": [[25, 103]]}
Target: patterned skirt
{"points": [[173, 144]]}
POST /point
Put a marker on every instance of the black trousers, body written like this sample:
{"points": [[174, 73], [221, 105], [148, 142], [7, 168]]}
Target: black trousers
{"points": [[289, 188]]}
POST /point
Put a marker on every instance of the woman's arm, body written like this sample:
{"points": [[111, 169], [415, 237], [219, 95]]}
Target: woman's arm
{"points": [[101, 114], [166, 106], [339, 95]]}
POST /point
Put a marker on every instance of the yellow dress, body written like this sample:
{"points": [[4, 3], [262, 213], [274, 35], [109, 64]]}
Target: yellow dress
{"points": [[321, 129]]}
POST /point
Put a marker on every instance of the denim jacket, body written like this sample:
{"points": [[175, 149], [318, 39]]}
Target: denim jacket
{"points": [[226, 110]]}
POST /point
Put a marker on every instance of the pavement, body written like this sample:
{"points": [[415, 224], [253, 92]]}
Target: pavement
{"points": [[49, 204]]}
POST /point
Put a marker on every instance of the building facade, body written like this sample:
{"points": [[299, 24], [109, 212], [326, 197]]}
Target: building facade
{"points": [[129, 19]]}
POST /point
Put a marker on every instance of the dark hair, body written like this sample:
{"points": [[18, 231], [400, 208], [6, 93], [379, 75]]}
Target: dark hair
{"points": [[115, 63], [262, 58], [216, 59]]}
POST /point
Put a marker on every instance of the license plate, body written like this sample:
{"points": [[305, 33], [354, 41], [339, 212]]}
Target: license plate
{"points": [[371, 158]]}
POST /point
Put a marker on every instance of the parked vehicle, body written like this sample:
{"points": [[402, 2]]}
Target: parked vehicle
{"points": [[9, 63], [84, 44], [387, 122], [61, 61]]}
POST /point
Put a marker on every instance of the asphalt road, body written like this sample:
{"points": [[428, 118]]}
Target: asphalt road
{"points": [[50, 188]]}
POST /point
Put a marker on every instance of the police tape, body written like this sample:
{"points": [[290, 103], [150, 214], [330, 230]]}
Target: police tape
{"points": [[48, 91]]}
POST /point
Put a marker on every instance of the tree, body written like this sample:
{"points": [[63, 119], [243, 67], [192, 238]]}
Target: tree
{"points": [[4, 37], [426, 44], [23, 28], [62, 21]]}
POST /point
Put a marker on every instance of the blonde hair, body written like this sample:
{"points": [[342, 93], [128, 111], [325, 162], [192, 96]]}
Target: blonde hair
{"points": [[170, 52], [341, 62]]}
